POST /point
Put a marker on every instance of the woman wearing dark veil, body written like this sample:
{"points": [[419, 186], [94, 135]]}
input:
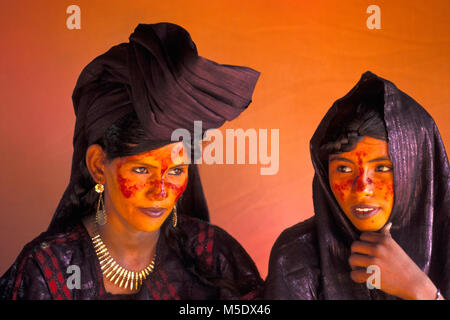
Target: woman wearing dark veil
{"points": [[133, 222], [381, 224]]}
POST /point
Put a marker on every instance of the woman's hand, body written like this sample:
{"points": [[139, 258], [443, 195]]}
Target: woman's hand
{"points": [[399, 275]]}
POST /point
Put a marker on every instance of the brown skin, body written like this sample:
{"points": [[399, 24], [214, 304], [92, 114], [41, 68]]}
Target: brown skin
{"points": [[149, 179], [400, 276], [369, 183]]}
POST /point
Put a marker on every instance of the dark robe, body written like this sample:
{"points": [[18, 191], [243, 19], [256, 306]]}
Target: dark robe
{"points": [[41, 270], [310, 259]]}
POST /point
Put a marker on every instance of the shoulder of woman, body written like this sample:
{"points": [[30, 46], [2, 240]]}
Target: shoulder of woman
{"points": [[54, 242], [206, 233], [46, 241], [294, 264], [300, 234], [297, 244], [211, 243], [39, 266], [225, 256]]}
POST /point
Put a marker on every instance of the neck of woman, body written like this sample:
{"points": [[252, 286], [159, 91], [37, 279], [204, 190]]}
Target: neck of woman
{"points": [[131, 248]]}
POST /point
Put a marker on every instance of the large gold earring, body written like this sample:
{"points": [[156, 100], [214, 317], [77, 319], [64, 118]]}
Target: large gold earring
{"points": [[100, 216], [174, 217]]}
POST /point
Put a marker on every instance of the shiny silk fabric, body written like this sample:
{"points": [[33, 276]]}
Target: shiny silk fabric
{"points": [[310, 259], [40, 271]]}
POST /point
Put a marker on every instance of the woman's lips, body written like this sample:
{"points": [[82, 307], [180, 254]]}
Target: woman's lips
{"points": [[153, 212], [364, 211]]}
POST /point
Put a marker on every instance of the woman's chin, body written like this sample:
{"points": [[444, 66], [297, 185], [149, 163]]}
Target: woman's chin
{"points": [[148, 224], [368, 225]]}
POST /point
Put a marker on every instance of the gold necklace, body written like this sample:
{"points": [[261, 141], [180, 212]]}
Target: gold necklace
{"points": [[117, 274]]}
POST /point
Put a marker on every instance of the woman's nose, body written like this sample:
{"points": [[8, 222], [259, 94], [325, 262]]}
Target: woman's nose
{"points": [[157, 190], [363, 184]]}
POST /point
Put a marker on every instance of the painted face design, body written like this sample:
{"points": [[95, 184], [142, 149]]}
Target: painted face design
{"points": [[363, 184], [144, 188]]}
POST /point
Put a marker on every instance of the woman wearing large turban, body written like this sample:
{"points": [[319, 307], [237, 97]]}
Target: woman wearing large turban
{"points": [[381, 202], [133, 222]]}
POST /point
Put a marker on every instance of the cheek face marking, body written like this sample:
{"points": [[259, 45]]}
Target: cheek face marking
{"points": [[383, 185], [389, 191], [127, 186], [338, 189], [341, 187], [380, 185], [178, 190]]}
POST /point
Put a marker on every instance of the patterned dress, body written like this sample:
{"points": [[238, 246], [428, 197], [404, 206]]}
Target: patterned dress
{"points": [[43, 268]]}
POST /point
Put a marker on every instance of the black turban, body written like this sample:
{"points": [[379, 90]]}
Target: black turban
{"points": [[158, 75]]}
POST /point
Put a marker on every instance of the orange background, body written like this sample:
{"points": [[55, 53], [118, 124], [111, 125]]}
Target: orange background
{"points": [[309, 53]]}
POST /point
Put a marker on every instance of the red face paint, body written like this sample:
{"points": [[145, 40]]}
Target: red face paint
{"points": [[178, 190], [145, 181], [389, 191], [338, 188], [379, 185], [160, 186], [163, 156], [127, 186], [161, 189], [343, 187], [358, 183]]}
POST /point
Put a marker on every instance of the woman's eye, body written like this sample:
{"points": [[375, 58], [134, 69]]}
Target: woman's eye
{"points": [[175, 172], [344, 169], [140, 170], [383, 168]]}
